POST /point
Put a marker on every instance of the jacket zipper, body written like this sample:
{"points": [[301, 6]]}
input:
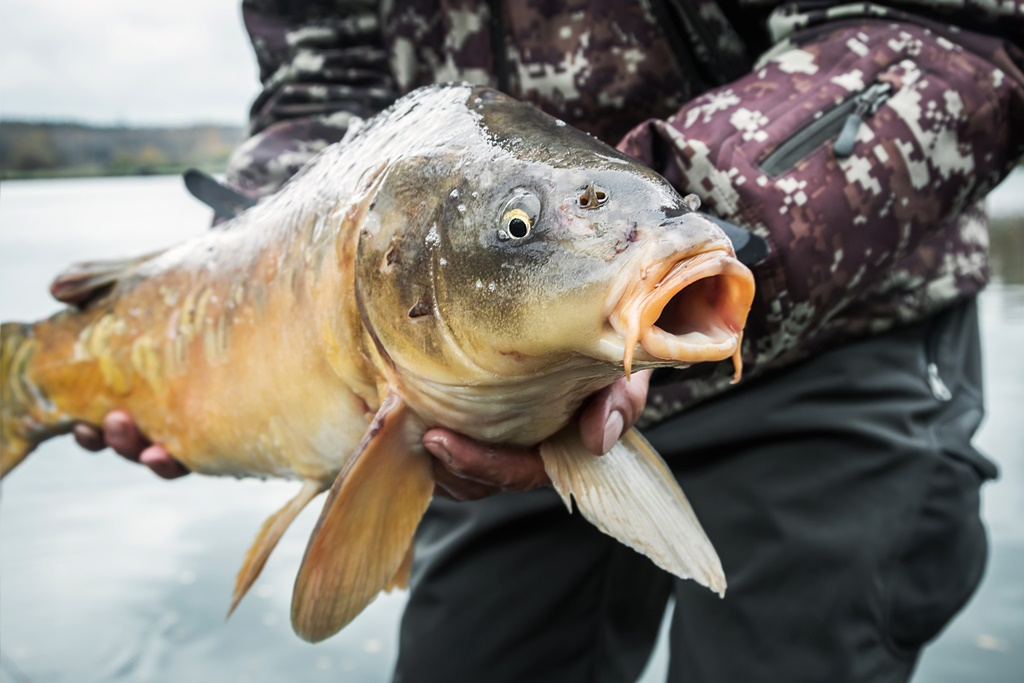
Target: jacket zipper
{"points": [[845, 119]]}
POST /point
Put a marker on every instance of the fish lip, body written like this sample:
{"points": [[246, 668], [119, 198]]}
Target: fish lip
{"points": [[712, 317]]}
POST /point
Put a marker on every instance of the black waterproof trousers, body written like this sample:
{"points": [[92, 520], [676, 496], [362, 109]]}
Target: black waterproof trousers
{"points": [[841, 495]]}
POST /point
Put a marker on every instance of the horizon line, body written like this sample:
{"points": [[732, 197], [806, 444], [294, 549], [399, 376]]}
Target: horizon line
{"points": [[85, 123]]}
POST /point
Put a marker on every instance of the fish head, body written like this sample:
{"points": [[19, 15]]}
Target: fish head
{"points": [[536, 246]]}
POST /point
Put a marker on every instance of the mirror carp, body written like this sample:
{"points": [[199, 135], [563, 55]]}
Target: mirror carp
{"points": [[460, 260]]}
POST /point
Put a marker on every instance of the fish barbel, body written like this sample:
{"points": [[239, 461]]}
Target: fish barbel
{"points": [[461, 260]]}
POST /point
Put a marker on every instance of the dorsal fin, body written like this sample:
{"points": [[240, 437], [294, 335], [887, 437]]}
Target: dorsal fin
{"points": [[226, 201], [81, 283]]}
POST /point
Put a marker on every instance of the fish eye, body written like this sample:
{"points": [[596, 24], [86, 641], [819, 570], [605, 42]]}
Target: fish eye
{"points": [[518, 216], [517, 224]]}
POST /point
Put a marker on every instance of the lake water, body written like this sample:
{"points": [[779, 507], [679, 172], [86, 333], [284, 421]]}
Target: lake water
{"points": [[110, 574]]}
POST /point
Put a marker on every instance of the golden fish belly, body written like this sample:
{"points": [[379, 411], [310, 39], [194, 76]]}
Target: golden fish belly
{"points": [[231, 369]]}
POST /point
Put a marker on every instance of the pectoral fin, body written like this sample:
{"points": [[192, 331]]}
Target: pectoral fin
{"points": [[367, 525], [630, 494], [267, 538]]}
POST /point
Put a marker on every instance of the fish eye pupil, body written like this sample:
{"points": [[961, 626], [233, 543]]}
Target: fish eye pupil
{"points": [[517, 227], [518, 216]]}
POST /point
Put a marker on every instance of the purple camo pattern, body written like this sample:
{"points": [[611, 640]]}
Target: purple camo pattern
{"points": [[887, 235]]}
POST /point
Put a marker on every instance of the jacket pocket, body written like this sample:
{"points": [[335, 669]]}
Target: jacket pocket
{"points": [[857, 156], [950, 366], [941, 561], [842, 122]]}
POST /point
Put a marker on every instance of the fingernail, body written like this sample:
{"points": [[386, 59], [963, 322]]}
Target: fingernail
{"points": [[117, 431], [612, 430], [439, 452]]}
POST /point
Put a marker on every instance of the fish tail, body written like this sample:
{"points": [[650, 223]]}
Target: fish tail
{"points": [[27, 417], [16, 398]]}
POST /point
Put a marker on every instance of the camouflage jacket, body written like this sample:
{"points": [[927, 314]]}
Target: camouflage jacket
{"points": [[857, 139]]}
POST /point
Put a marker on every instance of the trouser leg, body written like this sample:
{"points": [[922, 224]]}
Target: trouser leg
{"points": [[842, 498], [515, 589]]}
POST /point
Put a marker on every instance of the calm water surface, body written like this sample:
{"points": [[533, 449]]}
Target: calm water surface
{"points": [[110, 574]]}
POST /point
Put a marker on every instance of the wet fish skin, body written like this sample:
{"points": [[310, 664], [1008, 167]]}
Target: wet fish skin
{"points": [[387, 290], [482, 336]]}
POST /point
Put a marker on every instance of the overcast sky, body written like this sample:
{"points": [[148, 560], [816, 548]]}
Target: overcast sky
{"points": [[125, 61]]}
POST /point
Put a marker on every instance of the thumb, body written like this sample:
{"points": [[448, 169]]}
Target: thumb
{"points": [[612, 411]]}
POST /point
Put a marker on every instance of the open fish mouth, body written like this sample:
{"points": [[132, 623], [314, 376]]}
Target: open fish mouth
{"points": [[686, 311]]}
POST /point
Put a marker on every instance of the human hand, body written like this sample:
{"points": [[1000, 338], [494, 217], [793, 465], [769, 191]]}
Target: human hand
{"points": [[465, 469], [122, 434]]}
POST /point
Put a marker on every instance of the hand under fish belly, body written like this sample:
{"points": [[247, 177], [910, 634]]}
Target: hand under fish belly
{"points": [[459, 261]]}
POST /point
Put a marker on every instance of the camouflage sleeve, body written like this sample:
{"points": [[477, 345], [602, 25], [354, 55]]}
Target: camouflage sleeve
{"points": [[1003, 18], [321, 62], [859, 153]]}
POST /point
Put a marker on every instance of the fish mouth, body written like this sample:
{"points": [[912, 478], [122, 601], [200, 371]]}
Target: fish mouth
{"points": [[685, 311]]}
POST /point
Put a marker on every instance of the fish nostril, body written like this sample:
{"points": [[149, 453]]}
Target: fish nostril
{"points": [[592, 197]]}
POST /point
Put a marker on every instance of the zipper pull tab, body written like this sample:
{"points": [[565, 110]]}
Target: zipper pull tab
{"points": [[938, 387], [868, 103], [843, 146]]}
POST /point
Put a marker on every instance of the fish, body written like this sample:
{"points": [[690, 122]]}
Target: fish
{"points": [[461, 260]]}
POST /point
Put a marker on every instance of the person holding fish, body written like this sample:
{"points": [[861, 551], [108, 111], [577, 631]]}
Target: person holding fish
{"points": [[837, 480]]}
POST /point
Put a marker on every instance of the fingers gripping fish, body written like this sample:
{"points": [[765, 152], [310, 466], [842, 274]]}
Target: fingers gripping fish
{"points": [[461, 260]]}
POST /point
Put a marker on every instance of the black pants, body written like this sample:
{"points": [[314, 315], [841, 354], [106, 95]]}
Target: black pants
{"points": [[841, 495]]}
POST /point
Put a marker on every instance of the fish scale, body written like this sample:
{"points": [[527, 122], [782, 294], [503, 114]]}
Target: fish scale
{"points": [[461, 260]]}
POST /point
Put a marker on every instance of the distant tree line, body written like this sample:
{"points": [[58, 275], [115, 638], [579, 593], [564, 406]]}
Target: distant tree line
{"points": [[35, 150]]}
